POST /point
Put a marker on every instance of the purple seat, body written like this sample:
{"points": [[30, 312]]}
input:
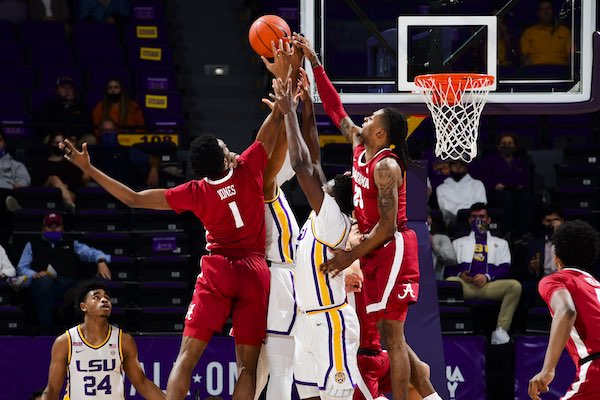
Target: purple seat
{"points": [[149, 54], [39, 96], [93, 97], [560, 136], [165, 122], [39, 197], [97, 77], [164, 294], [152, 32], [12, 53], [16, 77], [162, 243], [156, 78], [48, 74], [11, 100], [95, 197], [147, 10], [87, 33], [150, 220], [100, 55], [160, 102], [16, 125], [101, 220], [122, 268], [29, 220], [162, 268], [7, 31], [42, 31], [50, 53]]}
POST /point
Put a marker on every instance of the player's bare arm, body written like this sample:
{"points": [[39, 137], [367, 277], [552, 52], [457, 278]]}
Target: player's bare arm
{"points": [[267, 134], [563, 320], [57, 371], [134, 372], [388, 177], [274, 165], [153, 199], [308, 173]]}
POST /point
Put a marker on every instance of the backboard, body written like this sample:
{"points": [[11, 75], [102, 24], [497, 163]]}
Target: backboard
{"points": [[373, 49]]}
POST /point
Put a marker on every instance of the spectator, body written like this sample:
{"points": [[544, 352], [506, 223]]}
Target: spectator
{"points": [[441, 247], [546, 42], [66, 113], [53, 265], [458, 192], [13, 174], [508, 183], [6, 268], [58, 172], [118, 107], [111, 11], [107, 132], [482, 270], [49, 10]]}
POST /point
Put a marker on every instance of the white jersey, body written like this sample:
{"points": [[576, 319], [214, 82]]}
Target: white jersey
{"points": [[95, 372], [322, 232], [282, 230]]}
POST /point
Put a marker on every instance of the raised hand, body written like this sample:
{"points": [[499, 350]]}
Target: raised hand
{"points": [[304, 85], [287, 100], [281, 67], [80, 158], [303, 43]]}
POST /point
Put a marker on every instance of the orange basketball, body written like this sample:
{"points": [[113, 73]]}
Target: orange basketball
{"points": [[266, 29]]}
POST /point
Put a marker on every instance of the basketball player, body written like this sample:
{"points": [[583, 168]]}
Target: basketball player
{"points": [[389, 253], [234, 276], [573, 296], [326, 331], [93, 356]]}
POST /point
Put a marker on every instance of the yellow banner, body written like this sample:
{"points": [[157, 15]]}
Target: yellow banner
{"points": [[151, 53], [146, 32], [129, 139], [413, 123], [156, 101]]}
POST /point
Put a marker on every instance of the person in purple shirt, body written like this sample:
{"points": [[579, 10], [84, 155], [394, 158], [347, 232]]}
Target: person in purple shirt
{"points": [[507, 179]]}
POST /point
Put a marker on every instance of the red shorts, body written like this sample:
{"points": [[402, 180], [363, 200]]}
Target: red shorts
{"points": [[230, 285], [375, 371], [587, 382], [391, 277]]}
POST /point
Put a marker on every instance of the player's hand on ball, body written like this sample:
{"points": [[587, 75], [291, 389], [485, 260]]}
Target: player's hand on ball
{"points": [[80, 158], [281, 67], [539, 384], [301, 42]]}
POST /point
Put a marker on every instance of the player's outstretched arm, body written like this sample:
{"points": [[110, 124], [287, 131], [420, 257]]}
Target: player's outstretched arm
{"points": [[563, 320], [309, 123], [308, 173], [134, 372], [57, 372], [388, 176], [153, 199], [268, 132], [329, 96]]}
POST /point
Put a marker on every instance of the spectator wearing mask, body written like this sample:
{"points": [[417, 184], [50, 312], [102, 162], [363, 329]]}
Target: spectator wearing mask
{"points": [[58, 172], [66, 113], [458, 192], [483, 265], [52, 264], [507, 180], [441, 248], [48, 10], [118, 107], [111, 11], [546, 42]]}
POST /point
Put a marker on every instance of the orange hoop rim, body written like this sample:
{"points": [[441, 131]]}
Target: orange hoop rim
{"points": [[456, 80]]}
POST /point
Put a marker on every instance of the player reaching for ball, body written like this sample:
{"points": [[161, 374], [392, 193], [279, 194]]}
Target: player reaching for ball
{"points": [[389, 253], [230, 203]]}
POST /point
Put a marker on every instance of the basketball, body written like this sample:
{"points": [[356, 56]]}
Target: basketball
{"points": [[267, 29]]}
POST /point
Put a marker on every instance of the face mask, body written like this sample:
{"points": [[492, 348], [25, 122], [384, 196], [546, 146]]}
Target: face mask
{"points": [[114, 98], [457, 176], [507, 150], [2, 153], [53, 237], [479, 226], [55, 151], [549, 229]]}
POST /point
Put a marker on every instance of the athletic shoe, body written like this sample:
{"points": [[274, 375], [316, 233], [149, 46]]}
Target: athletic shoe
{"points": [[500, 336]]}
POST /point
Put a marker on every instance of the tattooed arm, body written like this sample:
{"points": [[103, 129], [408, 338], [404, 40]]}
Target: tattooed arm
{"points": [[388, 177], [350, 131]]}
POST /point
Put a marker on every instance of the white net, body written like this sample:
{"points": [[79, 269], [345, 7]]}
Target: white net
{"points": [[455, 102]]}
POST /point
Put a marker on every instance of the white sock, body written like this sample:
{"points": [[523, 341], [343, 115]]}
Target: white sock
{"points": [[433, 396]]}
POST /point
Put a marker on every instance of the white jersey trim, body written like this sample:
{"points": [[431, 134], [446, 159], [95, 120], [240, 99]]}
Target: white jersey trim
{"points": [[583, 353], [395, 271], [219, 181]]}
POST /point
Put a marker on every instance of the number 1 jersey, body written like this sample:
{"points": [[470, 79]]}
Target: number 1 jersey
{"points": [[231, 208]]}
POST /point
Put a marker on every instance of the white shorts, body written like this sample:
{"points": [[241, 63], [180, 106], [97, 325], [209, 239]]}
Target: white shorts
{"points": [[282, 301], [326, 348]]}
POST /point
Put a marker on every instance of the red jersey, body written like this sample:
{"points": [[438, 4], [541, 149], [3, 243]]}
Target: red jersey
{"points": [[231, 208], [365, 190], [369, 334], [585, 291]]}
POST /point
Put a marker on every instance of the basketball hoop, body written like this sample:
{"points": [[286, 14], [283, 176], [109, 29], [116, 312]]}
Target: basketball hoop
{"points": [[455, 102]]}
